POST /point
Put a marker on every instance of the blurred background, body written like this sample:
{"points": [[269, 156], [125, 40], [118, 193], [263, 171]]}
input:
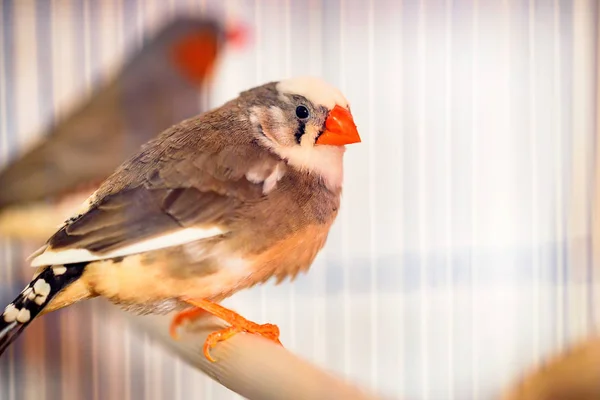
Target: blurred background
{"points": [[466, 244]]}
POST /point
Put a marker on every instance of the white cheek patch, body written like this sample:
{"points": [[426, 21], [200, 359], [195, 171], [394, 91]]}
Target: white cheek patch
{"points": [[177, 238]]}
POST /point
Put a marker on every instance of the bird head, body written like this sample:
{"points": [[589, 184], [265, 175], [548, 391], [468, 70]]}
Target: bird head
{"points": [[307, 122]]}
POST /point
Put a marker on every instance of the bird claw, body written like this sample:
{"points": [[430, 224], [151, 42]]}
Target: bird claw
{"points": [[237, 322], [268, 331]]}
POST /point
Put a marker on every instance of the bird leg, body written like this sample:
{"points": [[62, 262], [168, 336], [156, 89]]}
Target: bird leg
{"points": [[237, 322], [189, 314]]}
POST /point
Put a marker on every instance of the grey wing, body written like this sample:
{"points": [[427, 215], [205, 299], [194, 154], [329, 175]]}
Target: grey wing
{"points": [[197, 195]]}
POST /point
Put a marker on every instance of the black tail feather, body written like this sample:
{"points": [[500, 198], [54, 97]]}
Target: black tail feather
{"points": [[32, 300]]}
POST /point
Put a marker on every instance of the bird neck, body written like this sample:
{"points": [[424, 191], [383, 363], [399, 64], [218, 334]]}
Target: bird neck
{"points": [[326, 162]]}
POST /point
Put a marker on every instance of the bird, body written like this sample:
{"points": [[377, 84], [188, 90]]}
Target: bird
{"points": [[215, 204], [157, 86], [571, 374]]}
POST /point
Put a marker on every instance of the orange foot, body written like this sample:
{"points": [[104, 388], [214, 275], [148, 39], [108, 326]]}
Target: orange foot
{"points": [[237, 322], [181, 317]]}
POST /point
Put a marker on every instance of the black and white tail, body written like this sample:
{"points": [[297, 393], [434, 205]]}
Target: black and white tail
{"points": [[32, 300]]}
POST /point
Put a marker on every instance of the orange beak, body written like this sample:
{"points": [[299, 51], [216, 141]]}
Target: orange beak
{"points": [[340, 128]]}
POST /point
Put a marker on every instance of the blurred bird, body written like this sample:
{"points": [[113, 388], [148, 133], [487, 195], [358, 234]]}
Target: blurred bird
{"points": [[573, 374], [218, 203], [158, 87]]}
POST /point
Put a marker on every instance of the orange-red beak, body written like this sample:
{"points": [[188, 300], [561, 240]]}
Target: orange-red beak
{"points": [[340, 128]]}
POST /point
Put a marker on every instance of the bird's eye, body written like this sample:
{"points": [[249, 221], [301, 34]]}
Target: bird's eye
{"points": [[302, 112]]}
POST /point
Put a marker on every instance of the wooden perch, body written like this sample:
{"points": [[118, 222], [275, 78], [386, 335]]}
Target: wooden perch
{"points": [[249, 365], [572, 375]]}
